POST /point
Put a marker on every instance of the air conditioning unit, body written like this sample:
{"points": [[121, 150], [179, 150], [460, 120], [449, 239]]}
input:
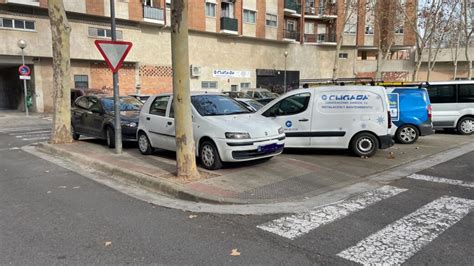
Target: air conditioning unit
{"points": [[195, 71]]}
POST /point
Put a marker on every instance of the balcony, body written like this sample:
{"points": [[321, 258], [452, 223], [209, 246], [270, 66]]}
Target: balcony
{"points": [[153, 15], [325, 13], [229, 26], [291, 36], [310, 38], [326, 39], [24, 2], [292, 8]]}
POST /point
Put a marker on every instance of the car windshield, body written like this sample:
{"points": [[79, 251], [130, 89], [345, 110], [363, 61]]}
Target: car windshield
{"points": [[208, 105], [266, 94], [255, 104], [126, 104]]}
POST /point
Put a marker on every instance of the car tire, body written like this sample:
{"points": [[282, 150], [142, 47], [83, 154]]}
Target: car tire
{"points": [[407, 134], [75, 136], [465, 126], [364, 145], [209, 155], [110, 137], [144, 145]]}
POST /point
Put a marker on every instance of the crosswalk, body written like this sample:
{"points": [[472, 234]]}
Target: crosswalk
{"points": [[395, 243], [29, 134]]}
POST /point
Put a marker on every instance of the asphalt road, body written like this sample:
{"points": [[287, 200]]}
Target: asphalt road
{"points": [[50, 215]]}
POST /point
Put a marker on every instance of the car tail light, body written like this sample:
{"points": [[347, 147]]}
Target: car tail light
{"points": [[430, 112], [389, 120]]}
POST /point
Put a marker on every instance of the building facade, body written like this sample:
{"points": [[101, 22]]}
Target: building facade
{"points": [[233, 44]]}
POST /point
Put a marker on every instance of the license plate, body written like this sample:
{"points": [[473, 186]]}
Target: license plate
{"points": [[269, 148]]}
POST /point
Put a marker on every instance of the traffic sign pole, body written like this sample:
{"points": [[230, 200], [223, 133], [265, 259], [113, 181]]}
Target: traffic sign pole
{"points": [[118, 125], [24, 83]]}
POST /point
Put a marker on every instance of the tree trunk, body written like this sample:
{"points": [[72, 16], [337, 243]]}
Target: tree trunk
{"points": [[62, 82], [336, 57], [418, 64], [456, 56], [185, 147]]}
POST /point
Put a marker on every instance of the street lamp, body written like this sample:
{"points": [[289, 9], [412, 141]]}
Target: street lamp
{"points": [[22, 45], [284, 74]]}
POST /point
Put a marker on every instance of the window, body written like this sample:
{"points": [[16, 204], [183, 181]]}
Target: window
{"points": [[81, 81], [343, 55], [168, 3], [308, 28], [370, 17], [159, 105], [271, 20], [17, 24], [245, 85], [227, 9], [442, 93], [250, 16], [350, 28], [209, 85], [466, 93], [103, 33], [369, 30], [294, 104], [210, 9], [399, 29], [83, 103], [367, 55], [290, 25], [211, 105]]}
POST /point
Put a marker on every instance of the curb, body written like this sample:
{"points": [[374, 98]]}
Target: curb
{"points": [[156, 183]]}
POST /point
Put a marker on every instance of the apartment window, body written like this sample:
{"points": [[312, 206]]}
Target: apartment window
{"points": [[209, 85], [245, 85], [369, 30], [250, 16], [399, 29], [103, 33], [291, 25], [210, 9], [367, 55], [271, 20], [370, 17], [343, 55], [18, 24], [148, 2], [308, 28], [227, 9], [81, 81], [350, 28], [168, 3]]}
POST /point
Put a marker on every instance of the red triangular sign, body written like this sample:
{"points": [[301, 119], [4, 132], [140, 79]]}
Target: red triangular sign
{"points": [[114, 52]]}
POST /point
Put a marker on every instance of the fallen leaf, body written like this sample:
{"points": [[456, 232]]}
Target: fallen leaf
{"points": [[417, 148], [108, 243], [235, 252], [192, 216], [391, 155]]}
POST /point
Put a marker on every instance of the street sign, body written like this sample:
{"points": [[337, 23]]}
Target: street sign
{"points": [[114, 52], [25, 77], [24, 70]]}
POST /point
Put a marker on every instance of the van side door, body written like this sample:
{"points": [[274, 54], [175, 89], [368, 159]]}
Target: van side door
{"points": [[293, 113]]}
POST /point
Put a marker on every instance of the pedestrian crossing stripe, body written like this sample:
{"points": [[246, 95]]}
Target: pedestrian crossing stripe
{"points": [[400, 240], [442, 180], [296, 225]]}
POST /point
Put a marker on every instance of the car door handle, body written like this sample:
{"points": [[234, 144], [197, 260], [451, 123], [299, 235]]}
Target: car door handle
{"points": [[304, 120], [147, 118], [169, 123]]}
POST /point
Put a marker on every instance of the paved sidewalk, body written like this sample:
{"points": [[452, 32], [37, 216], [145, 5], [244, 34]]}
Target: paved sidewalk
{"points": [[293, 176]]}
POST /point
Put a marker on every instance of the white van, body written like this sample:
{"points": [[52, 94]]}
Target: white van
{"points": [[453, 105], [342, 117]]}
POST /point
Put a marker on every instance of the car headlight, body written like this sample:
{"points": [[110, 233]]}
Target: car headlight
{"points": [[281, 130], [129, 124], [237, 135]]}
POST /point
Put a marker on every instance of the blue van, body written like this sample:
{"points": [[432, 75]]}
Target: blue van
{"points": [[410, 109]]}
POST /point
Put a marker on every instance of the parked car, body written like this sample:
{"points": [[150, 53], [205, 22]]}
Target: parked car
{"points": [[342, 117], [410, 109], [453, 105], [140, 97], [251, 104], [76, 93], [224, 131], [262, 96], [234, 94], [93, 116]]}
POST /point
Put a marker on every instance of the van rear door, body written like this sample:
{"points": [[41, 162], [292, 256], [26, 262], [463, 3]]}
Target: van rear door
{"points": [[293, 113]]}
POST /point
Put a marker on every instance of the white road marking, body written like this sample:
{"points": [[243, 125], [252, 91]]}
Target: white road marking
{"points": [[32, 135], [30, 132], [442, 180], [299, 224], [38, 138], [400, 240], [26, 129]]}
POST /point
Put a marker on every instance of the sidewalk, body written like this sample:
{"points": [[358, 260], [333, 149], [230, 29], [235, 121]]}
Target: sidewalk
{"points": [[293, 176]]}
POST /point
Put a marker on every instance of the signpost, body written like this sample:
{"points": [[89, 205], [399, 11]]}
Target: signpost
{"points": [[24, 72], [114, 53]]}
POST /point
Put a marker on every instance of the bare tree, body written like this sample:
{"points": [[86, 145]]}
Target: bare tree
{"points": [[185, 146], [62, 83], [468, 30]]}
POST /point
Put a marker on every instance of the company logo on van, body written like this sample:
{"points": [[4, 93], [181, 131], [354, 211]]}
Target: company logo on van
{"points": [[347, 97]]}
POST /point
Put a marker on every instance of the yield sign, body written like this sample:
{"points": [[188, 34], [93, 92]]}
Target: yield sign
{"points": [[114, 52]]}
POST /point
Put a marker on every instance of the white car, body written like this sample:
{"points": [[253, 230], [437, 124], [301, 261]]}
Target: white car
{"points": [[224, 130]]}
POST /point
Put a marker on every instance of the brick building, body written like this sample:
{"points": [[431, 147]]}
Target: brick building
{"points": [[233, 44]]}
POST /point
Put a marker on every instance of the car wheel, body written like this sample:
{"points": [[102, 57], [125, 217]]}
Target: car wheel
{"points": [[110, 137], [364, 144], [466, 126], [75, 136], [209, 156], [144, 144], [407, 134]]}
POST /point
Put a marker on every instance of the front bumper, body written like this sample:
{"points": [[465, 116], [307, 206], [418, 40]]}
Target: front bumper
{"points": [[129, 133], [246, 150], [386, 141], [426, 129]]}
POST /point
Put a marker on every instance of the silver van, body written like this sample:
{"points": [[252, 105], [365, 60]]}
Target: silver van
{"points": [[453, 105]]}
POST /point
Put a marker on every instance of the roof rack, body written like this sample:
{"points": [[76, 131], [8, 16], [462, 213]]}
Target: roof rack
{"points": [[340, 81]]}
